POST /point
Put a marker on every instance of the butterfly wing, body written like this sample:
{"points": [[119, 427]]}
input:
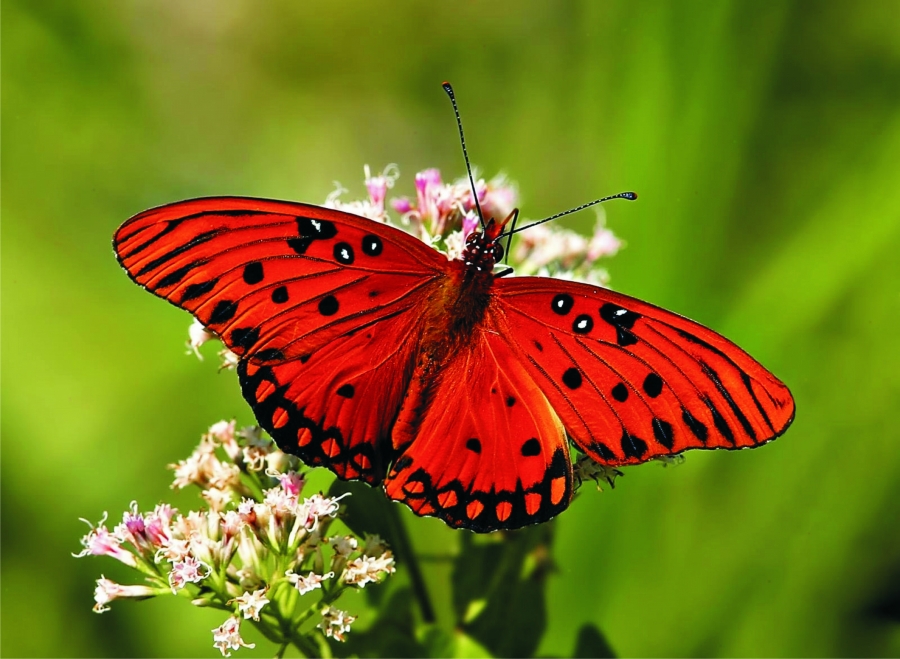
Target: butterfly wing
{"points": [[481, 448], [631, 381], [275, 280], [335, 407], [323, 306]]}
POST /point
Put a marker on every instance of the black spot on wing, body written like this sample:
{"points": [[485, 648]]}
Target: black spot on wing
{"points": [[531, 448], [299, 245], [622, 320], [280, 295], [371, 245], [633, 447], [177, 275], [171, 225], [181, 249], [343, 253], [197, 290], [719, 421], [620, 392], [662, 431], [602, 450], [328, 305], [473, 445], [562, 303], [310, 227], [269, 354], [653, 385], [223, 312], [697, 427], [583, 324], [244, 337], [346, 391], [572, 378], [738, 413], [253, 273]]}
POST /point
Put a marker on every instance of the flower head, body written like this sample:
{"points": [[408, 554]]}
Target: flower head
{"points": [[335, 623]]}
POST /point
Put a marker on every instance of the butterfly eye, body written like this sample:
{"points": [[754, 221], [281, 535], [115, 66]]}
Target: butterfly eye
{"points": [[498, 251]]}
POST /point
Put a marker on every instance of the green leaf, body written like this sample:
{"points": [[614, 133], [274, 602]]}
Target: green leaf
{"points": [[591, 643], [499, 585]]}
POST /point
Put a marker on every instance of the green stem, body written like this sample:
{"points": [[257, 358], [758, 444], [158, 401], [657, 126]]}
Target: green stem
{"points": [[407, 556]]}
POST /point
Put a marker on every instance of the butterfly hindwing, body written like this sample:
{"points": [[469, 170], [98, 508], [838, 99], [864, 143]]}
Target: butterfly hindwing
{"points": [[275, 280], [480, 446], [335, 407], [631, 381]]}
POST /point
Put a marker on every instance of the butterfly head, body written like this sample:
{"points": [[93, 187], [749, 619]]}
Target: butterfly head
{"points": [[483, 248]]}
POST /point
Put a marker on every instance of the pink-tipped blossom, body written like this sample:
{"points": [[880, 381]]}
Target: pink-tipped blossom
{"points": [[603, 243], [188, 570], [106, 591], [378, 186], [292, 483], [100, 542], [471, 222]]}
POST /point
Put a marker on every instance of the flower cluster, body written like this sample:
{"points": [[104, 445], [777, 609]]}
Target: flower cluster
{"points": [[259, 541]]}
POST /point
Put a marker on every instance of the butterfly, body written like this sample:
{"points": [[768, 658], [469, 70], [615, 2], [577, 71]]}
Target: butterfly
{"points": [[456, 388]]}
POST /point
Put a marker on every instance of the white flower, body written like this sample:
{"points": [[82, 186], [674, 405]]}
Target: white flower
{"points": [[217, 498], [250, 604], [368, 569], [228, 637], [335, 623], [228, 360], [316, 507], [343, 545], [222, 431], [308, 583], [197, 335]]}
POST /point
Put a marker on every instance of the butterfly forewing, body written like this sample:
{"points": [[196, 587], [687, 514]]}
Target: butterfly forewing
{"points": [[631, 381], [275, 280]]}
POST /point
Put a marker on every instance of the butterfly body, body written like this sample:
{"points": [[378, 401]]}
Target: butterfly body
{"points": [[366, 351]]}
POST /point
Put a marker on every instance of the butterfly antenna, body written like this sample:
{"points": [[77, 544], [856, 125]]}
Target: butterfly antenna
{"points": [[630, 196], [462, 139], [509, 235]]}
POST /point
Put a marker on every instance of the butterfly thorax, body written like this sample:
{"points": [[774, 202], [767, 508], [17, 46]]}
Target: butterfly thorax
{"points": [[457, 309]]}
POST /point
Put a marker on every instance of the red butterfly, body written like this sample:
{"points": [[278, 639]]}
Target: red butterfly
{"points": [[368, 352]]}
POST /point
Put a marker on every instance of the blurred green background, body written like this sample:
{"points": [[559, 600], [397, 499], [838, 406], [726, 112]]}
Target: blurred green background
{"points": [[763, 138]]}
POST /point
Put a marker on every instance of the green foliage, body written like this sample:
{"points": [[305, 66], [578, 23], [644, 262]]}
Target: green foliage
{"points": [[763, 140]]}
